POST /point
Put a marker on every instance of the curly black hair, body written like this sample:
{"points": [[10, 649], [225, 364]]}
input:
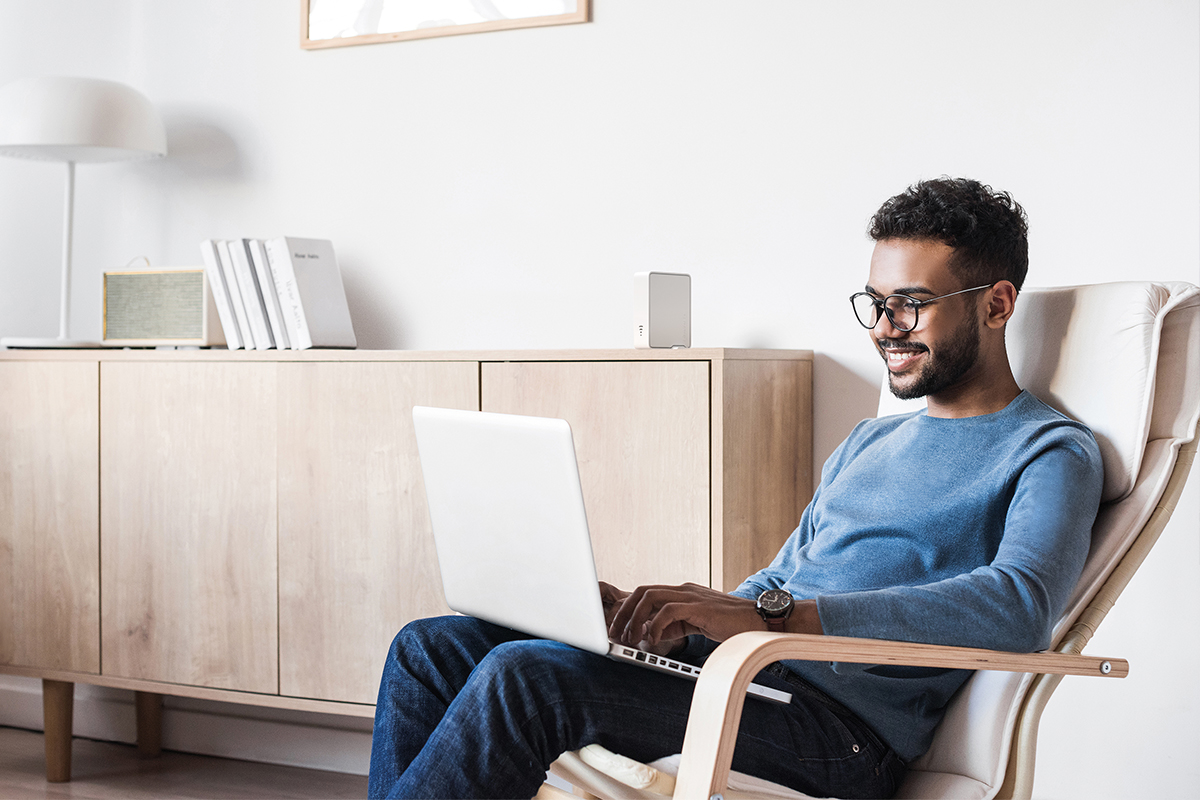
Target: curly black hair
{"points": [[987, 229]]}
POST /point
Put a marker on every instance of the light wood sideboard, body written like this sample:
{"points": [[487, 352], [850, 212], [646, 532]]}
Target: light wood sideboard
{"points": [[251, 526]]}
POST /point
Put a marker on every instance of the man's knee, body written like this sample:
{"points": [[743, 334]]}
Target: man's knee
{"points": [[436, 633], [536, 670]]}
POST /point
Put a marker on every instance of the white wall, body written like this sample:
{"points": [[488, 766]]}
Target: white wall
{"points": [[497, 190]]}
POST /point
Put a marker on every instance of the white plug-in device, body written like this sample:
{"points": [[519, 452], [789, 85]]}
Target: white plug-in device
{"points": [[662, 309]]}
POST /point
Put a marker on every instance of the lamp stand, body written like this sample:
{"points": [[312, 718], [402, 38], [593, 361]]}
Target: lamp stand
{"points": [[64, 339]]}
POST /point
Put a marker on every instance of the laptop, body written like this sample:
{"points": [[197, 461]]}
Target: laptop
{"points": [[511, 531]]}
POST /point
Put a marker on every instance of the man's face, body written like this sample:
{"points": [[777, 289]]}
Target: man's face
{"points": [[944, 346]]}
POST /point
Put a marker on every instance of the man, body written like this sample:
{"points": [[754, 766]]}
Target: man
{"points": [[965, 524]]}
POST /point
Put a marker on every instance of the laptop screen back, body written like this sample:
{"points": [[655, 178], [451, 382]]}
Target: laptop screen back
{"points": [[509, 523]]}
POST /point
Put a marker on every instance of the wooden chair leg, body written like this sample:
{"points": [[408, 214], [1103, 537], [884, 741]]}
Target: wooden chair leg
{"points": [[58, 706], [149, 724]]}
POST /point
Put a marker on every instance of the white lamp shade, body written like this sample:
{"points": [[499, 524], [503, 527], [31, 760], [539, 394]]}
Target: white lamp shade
{"points": [[78, 119]]}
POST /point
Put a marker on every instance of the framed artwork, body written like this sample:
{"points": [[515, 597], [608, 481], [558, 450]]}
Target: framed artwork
{"points": [[338, 23]]}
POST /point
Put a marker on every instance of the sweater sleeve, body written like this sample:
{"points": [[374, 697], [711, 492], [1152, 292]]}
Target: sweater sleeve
{"points": [[1011, 603]]}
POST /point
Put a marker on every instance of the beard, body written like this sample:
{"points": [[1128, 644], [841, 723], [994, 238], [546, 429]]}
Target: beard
{"points": [[944, 366]]}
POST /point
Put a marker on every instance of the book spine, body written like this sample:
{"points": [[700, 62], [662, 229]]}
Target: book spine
{"points": [[280, 261], [266, 286], [251, 296], [212, 268], [235, 293]]}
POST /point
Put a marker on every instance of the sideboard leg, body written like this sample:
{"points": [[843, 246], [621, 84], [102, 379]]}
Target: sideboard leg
{"points": [[149, 723], [58, 705]]}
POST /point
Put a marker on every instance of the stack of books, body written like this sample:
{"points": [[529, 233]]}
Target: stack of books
{"points": [[283, 293]]}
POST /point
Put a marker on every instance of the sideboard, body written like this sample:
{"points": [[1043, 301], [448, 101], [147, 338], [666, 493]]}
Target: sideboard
{"points": [[251, 526]]}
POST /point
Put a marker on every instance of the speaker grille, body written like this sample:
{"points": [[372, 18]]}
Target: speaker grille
{"points": [[154, 305]]}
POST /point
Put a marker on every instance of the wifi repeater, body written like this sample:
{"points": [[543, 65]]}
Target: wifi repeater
{"points": [[662, 309]]}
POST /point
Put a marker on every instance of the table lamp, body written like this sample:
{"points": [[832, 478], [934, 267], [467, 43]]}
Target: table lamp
{"points": [[75, 120]]}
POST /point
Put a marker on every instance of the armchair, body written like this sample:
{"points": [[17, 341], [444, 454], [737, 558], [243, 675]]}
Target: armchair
{"points": [[1124, 358]]}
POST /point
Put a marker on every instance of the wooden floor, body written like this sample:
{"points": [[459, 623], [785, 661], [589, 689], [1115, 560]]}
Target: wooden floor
{"points": [[106, 771]]}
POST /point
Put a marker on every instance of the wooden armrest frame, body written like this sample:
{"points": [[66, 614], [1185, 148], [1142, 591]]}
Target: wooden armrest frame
{"points": [[717, 705]]}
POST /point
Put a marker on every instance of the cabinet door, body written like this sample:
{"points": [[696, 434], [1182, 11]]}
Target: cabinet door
{"points": [[356, 552], [49, 516], [188, 499], [641, 431]]}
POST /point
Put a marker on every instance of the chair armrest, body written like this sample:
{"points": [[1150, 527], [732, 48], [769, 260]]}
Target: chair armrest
{"points": [[717, 704]]}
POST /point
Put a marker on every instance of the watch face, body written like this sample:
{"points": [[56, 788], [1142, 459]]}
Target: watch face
{"points": [[774, 601]]}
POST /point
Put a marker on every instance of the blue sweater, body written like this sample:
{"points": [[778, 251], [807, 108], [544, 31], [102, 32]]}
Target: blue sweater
{"points": [[969, 532]]}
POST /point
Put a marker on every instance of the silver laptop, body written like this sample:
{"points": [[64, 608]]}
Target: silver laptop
{"points": [[511, 531]]}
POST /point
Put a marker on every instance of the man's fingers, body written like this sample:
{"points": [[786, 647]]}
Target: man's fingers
{"points": [[672, 621], [607, 590], [626, 613], [611, 598], [611, 595], [623, 612], [642, 611], [643, 615], [650, 607]]}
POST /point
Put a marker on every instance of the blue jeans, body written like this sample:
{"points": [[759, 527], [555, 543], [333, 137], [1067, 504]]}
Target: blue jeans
{"points": [[470, 710]]}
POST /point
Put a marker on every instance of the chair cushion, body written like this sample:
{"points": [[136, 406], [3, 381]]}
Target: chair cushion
{"points": [[917, 786], [740, 784], [973, 738]]}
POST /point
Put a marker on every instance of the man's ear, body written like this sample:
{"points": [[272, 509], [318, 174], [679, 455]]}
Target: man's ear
{"points": [[1001, 302]]}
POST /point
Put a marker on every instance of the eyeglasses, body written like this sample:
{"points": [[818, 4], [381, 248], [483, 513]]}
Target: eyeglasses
{"points": [[901, 310]]}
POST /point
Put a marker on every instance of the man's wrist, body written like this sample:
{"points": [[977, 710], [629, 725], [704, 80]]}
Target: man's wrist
{"points": [[805, 618]]}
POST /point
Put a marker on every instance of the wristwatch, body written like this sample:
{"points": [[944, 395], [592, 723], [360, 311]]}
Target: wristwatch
{"points": [[775, 606]]}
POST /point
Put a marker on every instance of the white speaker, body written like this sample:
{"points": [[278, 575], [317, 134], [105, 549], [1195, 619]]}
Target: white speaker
{"points": [[662, 309], [171, 306]]}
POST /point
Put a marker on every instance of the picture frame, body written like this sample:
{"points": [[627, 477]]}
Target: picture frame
{"points": [[341, 23]]}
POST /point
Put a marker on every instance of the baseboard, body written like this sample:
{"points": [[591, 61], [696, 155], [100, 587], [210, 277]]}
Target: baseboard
{"points": [[228, 730]]}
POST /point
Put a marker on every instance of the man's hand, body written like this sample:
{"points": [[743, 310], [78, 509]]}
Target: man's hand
{"points": [[661, 616], [611, 597], [657, 618]]}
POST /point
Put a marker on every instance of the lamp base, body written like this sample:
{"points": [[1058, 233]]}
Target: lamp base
{"points": [[25, 343]]}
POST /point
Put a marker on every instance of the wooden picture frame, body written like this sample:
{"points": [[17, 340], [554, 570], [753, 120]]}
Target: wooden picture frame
{"points": [[323, 39]]}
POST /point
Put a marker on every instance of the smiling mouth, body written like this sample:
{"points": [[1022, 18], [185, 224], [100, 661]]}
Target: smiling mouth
{"points": [[900, 356]]}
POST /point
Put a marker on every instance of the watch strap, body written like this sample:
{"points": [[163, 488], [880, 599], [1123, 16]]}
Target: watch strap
{"points": [[775, 624]]}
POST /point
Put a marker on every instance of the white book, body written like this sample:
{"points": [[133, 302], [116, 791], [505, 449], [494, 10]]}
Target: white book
{"points": [[285, 288], [256, 311], [270, 296], [216, 279], [235, 293], [311, 293]]}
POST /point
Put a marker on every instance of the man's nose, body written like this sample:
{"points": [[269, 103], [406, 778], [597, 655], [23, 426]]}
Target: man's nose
{"points": [[884, 329]]}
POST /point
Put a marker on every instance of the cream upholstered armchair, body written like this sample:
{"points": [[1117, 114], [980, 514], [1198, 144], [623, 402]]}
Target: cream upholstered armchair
{"points": [[1124, 358]]}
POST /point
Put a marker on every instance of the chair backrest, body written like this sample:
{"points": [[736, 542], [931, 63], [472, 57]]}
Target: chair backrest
{"points": [[1124, 359]]}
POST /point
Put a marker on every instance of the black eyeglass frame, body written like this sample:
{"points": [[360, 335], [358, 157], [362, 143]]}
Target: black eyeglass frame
{"points": [[881, 305]]}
